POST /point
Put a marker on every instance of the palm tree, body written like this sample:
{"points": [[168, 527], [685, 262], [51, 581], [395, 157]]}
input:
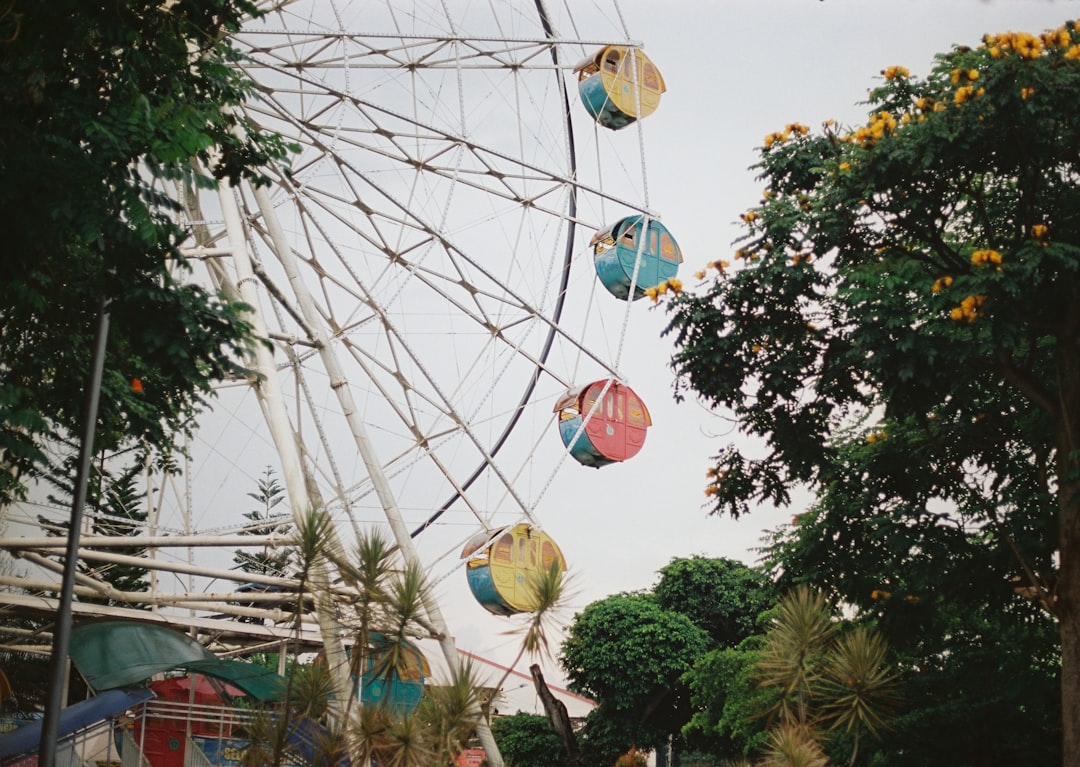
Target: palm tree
{"points": [[378, 600], [791, 745], [858, 687], [826, 679], [794, 650]]}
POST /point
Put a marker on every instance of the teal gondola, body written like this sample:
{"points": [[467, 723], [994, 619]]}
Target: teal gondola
{"points": [[617, 249], [394, 674]]}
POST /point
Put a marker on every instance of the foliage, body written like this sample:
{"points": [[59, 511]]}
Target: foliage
{"points": [[629, 654], [606, 735], [380, 608], [899, 334], [96, 99], [727, 701], [527, 740], [642, 657], [828, 680], [268, 495], [977, 654], [115, 507], [28, 675], [722, 596]]}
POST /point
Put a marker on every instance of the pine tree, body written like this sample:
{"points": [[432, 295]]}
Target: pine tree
{"points": [[264, 522]]}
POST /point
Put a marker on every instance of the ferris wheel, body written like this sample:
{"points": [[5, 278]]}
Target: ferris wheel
{"points": [[425, 269], [443, 275]]}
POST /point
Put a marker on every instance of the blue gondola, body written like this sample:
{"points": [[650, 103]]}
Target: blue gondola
{"points": [[400, 686], [617, 249]]}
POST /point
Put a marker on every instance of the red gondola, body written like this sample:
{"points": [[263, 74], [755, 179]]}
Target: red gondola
{"points": [[602, 422]]}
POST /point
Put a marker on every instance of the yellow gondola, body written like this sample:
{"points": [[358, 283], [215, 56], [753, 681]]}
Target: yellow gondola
{"points": [[618, 85], [503, 566]]}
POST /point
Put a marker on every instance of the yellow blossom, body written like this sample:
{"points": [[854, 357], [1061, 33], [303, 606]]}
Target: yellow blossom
{"points": [[653, 294], [845, 166], [675, 285], [941, 283], [969, 309], [749, 216], [1073, 52], [712, 490], [1026, 46], [700, 275], [894, 72], [973, 74], [985, 256], [1038, 231], [878, 595], [1057, 38]]}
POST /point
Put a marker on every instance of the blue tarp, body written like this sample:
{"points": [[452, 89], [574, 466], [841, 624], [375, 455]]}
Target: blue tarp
{"points": [[27, 738]]}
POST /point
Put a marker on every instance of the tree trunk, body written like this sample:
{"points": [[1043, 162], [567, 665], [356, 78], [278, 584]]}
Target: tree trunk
{"points": [[1065, 595], [557, 715], [1067, 606], [663, 752]]}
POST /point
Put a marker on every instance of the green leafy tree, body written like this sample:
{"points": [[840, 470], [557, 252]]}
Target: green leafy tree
{"points": [[722, 596], [629, 654], [527, 740], [96, 101], [726, 701], [904, 303]]}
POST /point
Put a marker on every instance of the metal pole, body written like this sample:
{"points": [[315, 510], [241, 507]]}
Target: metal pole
{"points": [[50, 725]]}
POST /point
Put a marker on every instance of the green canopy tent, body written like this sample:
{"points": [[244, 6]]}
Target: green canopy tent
{"points": [[116, 654]]}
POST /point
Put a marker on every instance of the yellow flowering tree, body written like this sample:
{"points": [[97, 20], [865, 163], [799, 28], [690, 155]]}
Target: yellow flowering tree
{"points": [[899, 331]]}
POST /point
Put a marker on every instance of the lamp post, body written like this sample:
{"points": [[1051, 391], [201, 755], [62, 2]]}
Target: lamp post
{"points": [[50, 725]]}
